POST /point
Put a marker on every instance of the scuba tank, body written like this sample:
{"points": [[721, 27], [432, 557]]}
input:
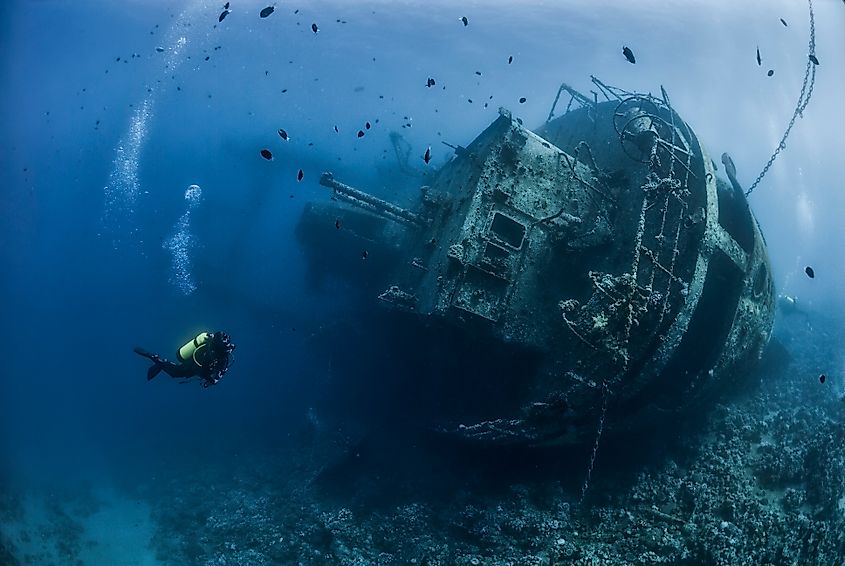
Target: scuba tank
{"points": [[194, 349]]}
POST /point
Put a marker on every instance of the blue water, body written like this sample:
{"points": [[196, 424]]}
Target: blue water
{"points": [[101, 250]]}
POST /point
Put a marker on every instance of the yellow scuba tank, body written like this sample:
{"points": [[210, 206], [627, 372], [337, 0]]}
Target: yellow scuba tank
{"points": [[189, 350]]}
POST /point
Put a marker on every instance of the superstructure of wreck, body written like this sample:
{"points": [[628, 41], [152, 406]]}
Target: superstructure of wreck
{"points": [[604, 242]]}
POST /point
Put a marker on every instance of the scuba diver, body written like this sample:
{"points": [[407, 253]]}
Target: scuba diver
{"points": [[207, 356]]}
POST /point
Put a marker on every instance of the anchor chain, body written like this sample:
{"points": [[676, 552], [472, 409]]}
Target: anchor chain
{"points": [[803, 100], [604, 394]]}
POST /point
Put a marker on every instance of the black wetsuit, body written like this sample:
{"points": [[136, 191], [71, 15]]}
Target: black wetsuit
{"points": [[185, 369]]}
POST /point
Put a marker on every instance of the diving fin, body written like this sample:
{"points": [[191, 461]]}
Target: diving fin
{"points": [[154, 370], [142, 352]]}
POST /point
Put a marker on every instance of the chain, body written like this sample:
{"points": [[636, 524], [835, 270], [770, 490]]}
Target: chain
{"points": [[803, 100], [586, 484]]}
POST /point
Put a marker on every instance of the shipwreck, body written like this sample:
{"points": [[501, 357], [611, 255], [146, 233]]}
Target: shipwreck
{"points": [[605, 242]]}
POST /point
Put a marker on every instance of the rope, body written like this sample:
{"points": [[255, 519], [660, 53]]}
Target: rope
{"points": [[803, 100]]}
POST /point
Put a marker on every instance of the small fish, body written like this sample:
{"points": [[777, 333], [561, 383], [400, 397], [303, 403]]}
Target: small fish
{"points": [[427, 156], [478, 73], [814, 59], [267, 11], [360, 133], [783, 22], [822, 378], [367, 126], [522, 100], [771, 72], [465, 20], [335, 129], [364, 254], [223, 15], [160, 49], [338, 224], [314, 28], [810, 273], [629, 55], [300, 175], [226, 6], [759, 59], [510, 59], [430, 82], [207, 57], [283, 134], [265, 153]]}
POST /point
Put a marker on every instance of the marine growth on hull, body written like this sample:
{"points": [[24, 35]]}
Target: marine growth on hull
{"points": [[602, 243]]}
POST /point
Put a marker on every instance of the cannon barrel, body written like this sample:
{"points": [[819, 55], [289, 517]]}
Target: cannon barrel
{"points": [[369, 202]]}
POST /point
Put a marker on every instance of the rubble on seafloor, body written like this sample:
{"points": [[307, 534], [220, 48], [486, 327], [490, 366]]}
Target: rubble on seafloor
{"points": [[44, 528], [11, 511], [758, 479], [761, 481]]}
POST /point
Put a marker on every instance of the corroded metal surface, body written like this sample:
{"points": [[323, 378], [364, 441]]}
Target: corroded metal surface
{"points": [[604, 243]]}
